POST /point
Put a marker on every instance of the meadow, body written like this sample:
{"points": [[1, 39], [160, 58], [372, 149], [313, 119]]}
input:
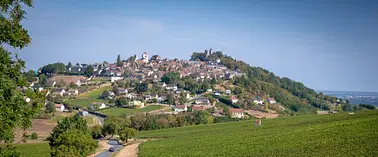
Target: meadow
{"points": [[312, 135], [34, 150], [127, 111], [86, 99]]}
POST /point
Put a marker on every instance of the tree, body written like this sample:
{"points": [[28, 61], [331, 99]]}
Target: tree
{"points": [[30, 76], [170, 99], [50, 107], [105, 95], [127, 133], [42, 79], [34, 136], [14, 111], [69, 65], [141, 87], [182, 98], [110, 128], [122, 101], [67, 124], [90, 71], [96, 132], [170, 77], [119, 62], [74, 143]]}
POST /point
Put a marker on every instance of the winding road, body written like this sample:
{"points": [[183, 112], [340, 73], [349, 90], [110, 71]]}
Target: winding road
{"points": [[112, 143]]}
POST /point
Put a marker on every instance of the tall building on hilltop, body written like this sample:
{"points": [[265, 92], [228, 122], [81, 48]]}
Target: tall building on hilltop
{"points": [[145, 57]]}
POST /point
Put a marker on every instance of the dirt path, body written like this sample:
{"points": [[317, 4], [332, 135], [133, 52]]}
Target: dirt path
{"points": [[131, 150]]}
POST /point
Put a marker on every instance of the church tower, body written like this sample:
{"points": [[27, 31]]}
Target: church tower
{"points": [[145, 57]]}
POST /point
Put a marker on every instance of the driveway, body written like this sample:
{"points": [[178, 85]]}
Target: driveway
{"points": [[112, 143]]}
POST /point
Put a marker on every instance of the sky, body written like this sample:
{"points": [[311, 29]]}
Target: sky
{"points": [[326, 44]]}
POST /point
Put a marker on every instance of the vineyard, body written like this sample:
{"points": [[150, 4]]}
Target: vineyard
{"points": [[326, 135]]}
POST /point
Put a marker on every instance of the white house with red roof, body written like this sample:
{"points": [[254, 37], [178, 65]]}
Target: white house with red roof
{"points": [[59, 107], [234, 99], [237, 113], [272, 100]]}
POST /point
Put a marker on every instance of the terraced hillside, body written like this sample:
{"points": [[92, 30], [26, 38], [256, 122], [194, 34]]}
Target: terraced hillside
{"points": [[313, 135]]}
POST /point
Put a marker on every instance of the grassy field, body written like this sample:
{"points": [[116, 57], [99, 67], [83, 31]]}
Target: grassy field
{"points": [[314, 135], [34, 150], [126, 111], [84, 100]]}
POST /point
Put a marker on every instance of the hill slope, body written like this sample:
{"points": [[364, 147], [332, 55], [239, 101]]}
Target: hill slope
{"points": [[311, 135], [261, 82]]}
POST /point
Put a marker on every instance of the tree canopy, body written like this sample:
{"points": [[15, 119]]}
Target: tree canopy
{"points": [[14, 110]]}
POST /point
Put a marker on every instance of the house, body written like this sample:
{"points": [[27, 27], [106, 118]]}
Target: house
{"points": [[171, 87], [162, 84], [59, 91], [154, 96], [217, 93], [203, 101], [234, 99], [115, 78], [122, 91], [97, 105], [160, 99], [209, 90], [147, 97], [237, 112], [73, 92], [258, 101], [180, 108], [271, 100], [77, 80], [136, 104], [228, 92], [83, 113], [59, 107], [229, 76]]}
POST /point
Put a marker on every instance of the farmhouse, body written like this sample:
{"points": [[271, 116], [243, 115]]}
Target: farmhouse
{"points": [[234, 99], [271, 100], [202, 101], [59, 107], [59, 91], [78, 80], [237, 113], [72, 92], [180, 108]]}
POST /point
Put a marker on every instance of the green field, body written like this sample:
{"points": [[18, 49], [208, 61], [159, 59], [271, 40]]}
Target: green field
{"points": [[84, 100], [127, 112], [313, 135], [34, 150]]}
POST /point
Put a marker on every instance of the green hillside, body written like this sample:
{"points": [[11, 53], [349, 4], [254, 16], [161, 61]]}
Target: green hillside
{"points": [[261, 82], [311, 135]]}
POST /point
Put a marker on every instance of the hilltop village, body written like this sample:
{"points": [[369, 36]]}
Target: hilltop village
{"points": [[183, 85]]}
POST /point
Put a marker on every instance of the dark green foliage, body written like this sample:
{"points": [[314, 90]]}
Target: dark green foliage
{"points": [[75, 123], [14, 111], [55, 68], [170, 77], [119, 62], [74, 142], [370, 107], [170, 99], [30, 76], [90, 71], [42, 79], [122, 101], [127, 133], [50, 107], [141, 87], [34, 136], [96, 132]]}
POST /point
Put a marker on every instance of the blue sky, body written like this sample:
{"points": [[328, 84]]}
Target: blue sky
{"points": [[326, 44]]}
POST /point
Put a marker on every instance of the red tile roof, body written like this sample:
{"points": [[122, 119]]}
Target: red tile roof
{"points": [[198, 108], [236, 110], [58, 105]]}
